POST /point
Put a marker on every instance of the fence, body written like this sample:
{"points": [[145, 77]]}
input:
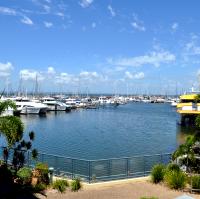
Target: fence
{"points": [[98, 170]]}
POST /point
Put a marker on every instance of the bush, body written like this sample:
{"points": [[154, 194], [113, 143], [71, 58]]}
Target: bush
{"points": [[60, 185], [195, 182], [39, 187], [157, 173], [42, 170], [25, 175], [173, 167], [175, 179], [76, 184]]}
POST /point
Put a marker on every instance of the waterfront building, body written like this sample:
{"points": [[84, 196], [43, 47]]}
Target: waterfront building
{"points": [[188, 107]]}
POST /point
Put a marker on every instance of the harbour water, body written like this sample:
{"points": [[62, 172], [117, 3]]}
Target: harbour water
{"points": [[111, 132]]}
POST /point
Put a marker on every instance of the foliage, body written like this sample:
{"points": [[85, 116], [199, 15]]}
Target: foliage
{"points": [[22, 147], [196, 182], [157, 173], [60, 185], [173, 167], [76, 184], [39, 187], [12, 128], [197, 122], [186, 151], [6, 104], [43, 171], [197, 98], [25, 175], [34, 154], [175, 179], [5, 174]]}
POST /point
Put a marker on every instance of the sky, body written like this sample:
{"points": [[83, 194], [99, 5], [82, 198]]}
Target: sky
{"points": [[100, 46]]}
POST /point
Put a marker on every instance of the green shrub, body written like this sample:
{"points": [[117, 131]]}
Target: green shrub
{"points": [[60, 185], [148, 198], [76, 184], [173, 167], [175, 179], [157, 173], [25, 175], [43, 173], [195, 182], [39, 187]]}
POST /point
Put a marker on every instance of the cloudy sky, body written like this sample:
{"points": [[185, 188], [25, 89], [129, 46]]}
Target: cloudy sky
{"points": [[100, 46]]}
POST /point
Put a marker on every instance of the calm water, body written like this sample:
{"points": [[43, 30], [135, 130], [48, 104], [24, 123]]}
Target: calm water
{"points": [[127, 130]]}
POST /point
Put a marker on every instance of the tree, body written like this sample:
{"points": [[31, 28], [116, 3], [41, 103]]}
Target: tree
{"points": [[187, 151], [197, 98], [12, 128]]}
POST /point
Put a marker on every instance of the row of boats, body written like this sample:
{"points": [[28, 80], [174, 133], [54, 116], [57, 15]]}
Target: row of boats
{"points": [[28, 105]]}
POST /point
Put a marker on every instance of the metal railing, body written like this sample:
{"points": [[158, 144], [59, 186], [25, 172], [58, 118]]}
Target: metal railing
{"points": [[97, 170]]}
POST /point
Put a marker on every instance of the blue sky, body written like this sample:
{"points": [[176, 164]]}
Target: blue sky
{"points": [[100, 46]]}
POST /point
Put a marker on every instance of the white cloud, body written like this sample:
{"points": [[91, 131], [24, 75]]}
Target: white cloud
{"points": [[174, 26], [48, 24], [112, 12], [94, 25], [85, 3], [60, 14], [5, 69], [88, 75], [153, 58], [128, 75], [7, 11], [120, 68], [27, 74], [27, 20], [139, 75], [51, 70], [63, 78], [138, 26], [192, 48], [47, 8]]}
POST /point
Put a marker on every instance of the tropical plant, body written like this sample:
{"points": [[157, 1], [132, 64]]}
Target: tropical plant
{"points": [[12, 128], [186, 151], [195, 182], [197, 98], [76, 184], [42, 171], [25, 175], [60, 185], [157, 173], [175, 179], [172, 167], [40, 187]]}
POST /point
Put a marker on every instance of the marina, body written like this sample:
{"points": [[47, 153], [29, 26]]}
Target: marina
{"points": [[88, 133]]}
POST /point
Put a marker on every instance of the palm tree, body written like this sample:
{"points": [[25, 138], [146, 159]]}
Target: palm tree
{"points": [[187, 150], [10, 126]]}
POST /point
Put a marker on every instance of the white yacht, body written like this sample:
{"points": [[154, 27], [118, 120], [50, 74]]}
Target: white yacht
{"points": [[54, 105], [27, 106]]}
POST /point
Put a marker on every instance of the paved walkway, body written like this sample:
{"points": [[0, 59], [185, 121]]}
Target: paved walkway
{"points": [[126, 189]]}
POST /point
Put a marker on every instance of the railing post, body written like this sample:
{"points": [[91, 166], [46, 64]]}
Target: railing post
{"points": [[161, 158], [72, 168], [89, 171], [144, 165], [127, 166], [109, 168]]}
